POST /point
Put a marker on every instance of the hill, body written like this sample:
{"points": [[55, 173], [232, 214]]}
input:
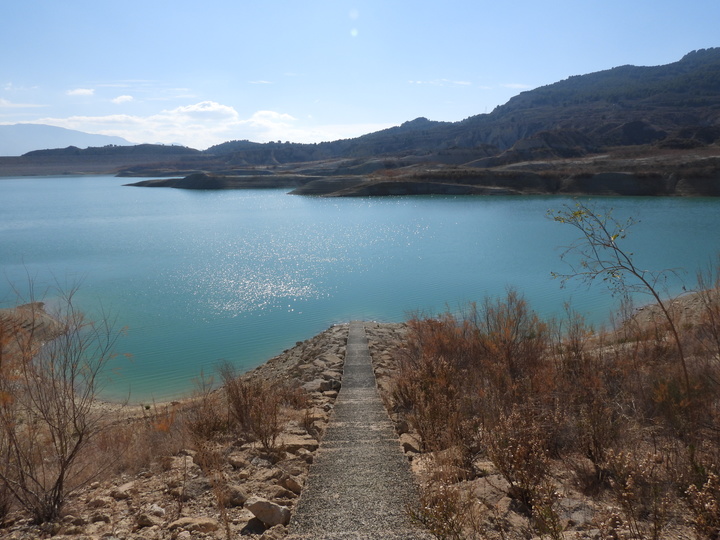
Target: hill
{"points": [[626, 105], [18, 139], [627, 130]]}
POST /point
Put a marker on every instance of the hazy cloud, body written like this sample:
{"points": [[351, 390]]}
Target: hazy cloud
{"points": [[206, 123], [260, 82], [81, 92], [122, 99], [4, 103]]}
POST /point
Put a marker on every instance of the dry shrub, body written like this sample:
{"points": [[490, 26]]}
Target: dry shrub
{"points": [[255, 407], [51, 370], [643, 491], [206, 417], [512, 339], [704, 505], [518, 449], [447, 512], [458, 374]]}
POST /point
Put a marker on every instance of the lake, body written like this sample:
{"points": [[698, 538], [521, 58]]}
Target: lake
{"points": [[202, 277]]}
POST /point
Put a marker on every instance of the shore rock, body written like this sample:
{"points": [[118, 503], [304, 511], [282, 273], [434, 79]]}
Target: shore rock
{"points": [[269, 513]]}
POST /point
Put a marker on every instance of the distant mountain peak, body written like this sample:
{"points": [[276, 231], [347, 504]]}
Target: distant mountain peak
{"points": [[19, 139]]}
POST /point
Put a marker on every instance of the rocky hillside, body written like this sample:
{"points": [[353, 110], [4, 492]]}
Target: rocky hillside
{"points": [[655, 130]]}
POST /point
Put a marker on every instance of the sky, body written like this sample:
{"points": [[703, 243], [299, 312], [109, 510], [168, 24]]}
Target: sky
{"points": [[199, 73]]}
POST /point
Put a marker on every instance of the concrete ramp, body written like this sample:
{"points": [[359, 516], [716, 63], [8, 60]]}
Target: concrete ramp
{"points": [[360, 485]]}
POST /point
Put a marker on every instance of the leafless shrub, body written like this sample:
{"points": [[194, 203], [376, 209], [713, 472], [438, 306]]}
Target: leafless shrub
{"points": [[704, 504], [47, 391], [517, 447], [642, 491], [206, 416], [447, 512], [255, 407]]}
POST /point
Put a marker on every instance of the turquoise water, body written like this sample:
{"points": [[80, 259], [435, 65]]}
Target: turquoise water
{"points": [[203, 277]]}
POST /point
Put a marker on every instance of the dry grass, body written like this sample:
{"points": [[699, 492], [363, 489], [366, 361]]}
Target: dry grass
{"points": [[557, 407]]}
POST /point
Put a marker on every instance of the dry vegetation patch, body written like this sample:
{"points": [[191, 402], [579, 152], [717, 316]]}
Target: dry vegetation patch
{"points": [[229, 461], [518, 427]]}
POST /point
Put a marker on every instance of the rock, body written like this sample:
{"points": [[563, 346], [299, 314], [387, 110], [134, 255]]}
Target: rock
{"points": [[318, 385], [266, 475], [234, 495], [293, 443], [238, 461], [72, 530], [269, 513], [332, 360], [409, 443], [156, 510], [99, 502], [291, 483], [306, 455], [145, 519], [274, 533], [123, 492], [279, 492], [195, 524], [99, 516], [260, 463], [72, 520], [331, 375]]}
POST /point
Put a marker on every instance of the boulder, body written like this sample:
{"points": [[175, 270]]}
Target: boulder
{"points": [[269, 513], [145, 519], [330, 375], [293, 443], [124, 491], [318, 385], [409, 443], [234, 495], [291, 483], [195, 524], [238, 461]]}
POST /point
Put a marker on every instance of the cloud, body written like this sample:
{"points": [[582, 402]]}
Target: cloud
{"points": [[122, 99], [260, 82], [81, 92], [5, 104], [207, 123]]}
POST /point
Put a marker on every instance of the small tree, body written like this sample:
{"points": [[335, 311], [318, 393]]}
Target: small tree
{"points": [[49, 380], [599, 255]]}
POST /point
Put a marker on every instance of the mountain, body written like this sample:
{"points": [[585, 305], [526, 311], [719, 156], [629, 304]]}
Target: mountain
{"points": [[678, 103], [18, 139], [627, 130]]}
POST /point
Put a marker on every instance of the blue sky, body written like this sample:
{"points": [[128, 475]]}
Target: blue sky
{"points": [[203, 72]]}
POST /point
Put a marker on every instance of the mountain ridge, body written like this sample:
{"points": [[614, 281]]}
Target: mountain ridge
{"points": [[18, 139], [667, 117]]}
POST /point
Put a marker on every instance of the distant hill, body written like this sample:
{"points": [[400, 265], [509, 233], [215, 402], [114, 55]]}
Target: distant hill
{"points": [[18, 139]]}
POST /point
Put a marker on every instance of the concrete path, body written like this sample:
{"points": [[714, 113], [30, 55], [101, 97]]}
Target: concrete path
{"points": [[360, 483]]}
